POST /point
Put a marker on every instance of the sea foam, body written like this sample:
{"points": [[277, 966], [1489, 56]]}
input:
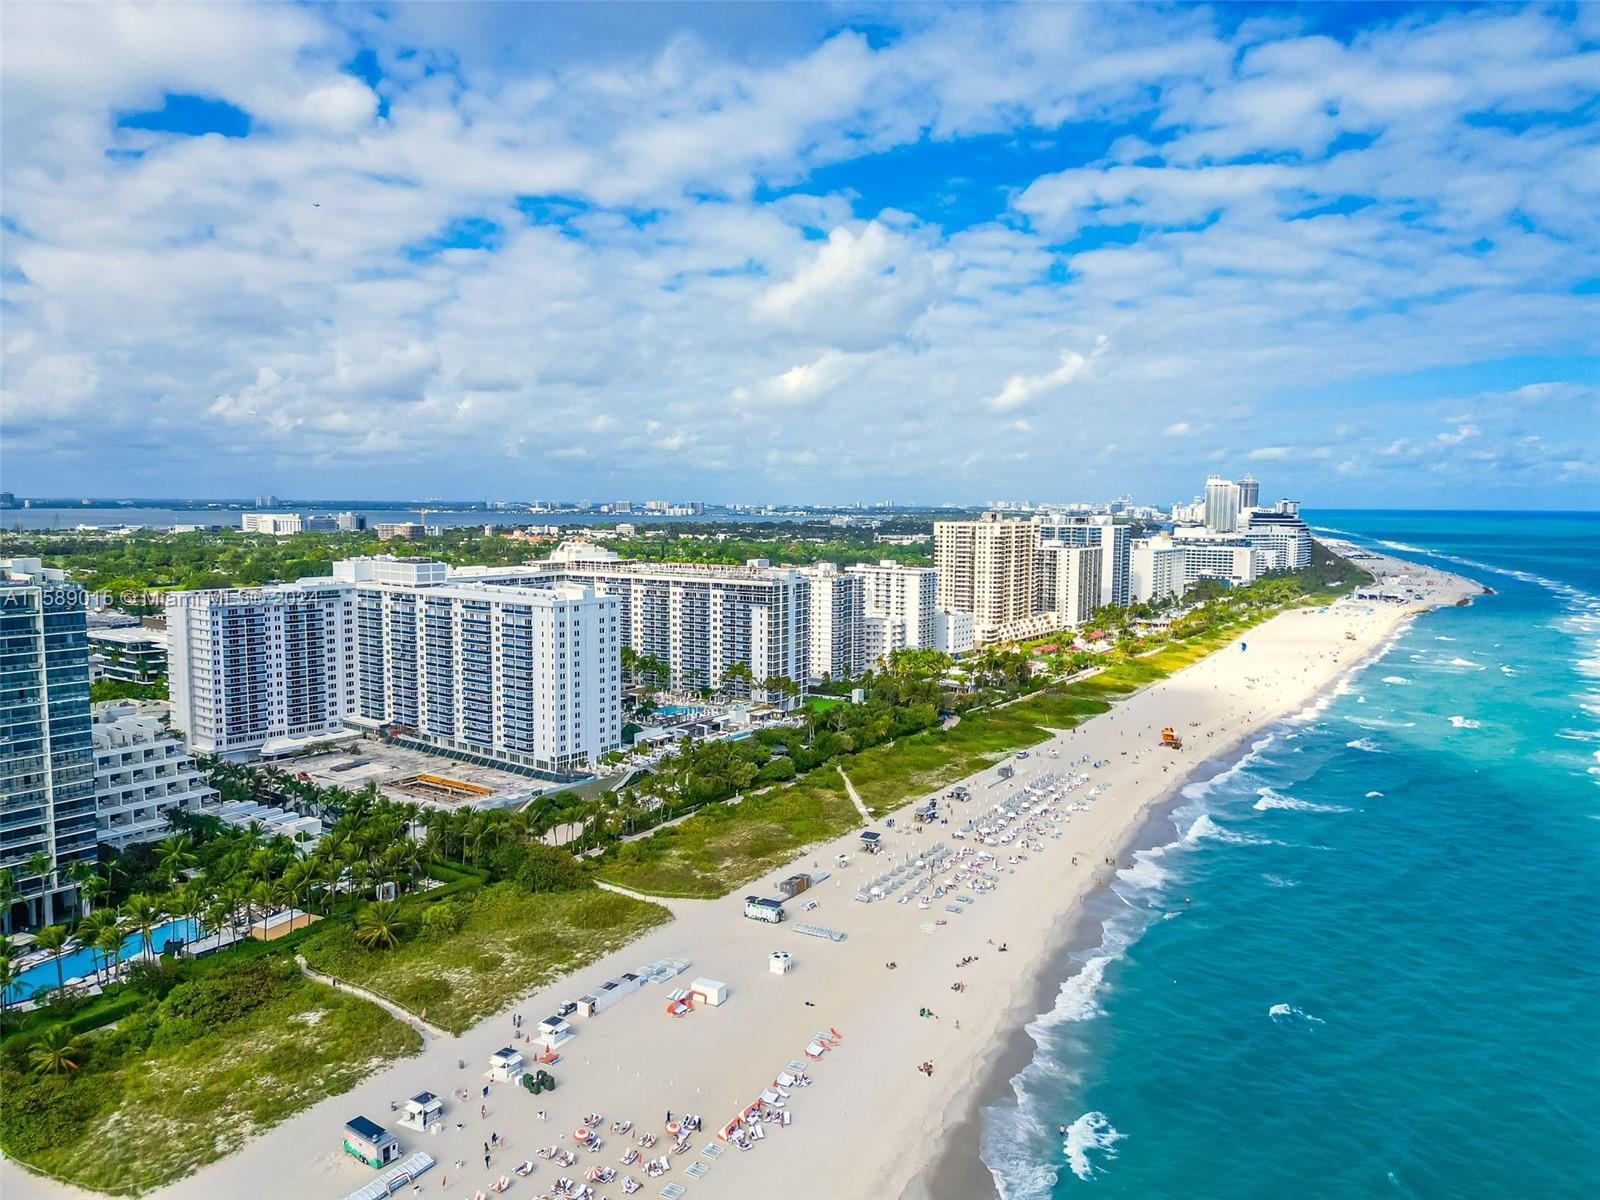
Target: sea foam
{"points": [[1092, 1132], [1464, 723], [1401, 680], [1282, 1013], [1271, 799], [1365, 744]]}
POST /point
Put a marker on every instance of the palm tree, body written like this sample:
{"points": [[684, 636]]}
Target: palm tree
{"points": [[142, 913], [93, 925], [380, 925], [175, 854], [7, 974], [53, 940], [8, 893], [57, 1052], [109, 942]]}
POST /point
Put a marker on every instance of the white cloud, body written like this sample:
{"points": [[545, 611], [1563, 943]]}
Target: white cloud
{"points": [[282, 312], [1021, 390]]}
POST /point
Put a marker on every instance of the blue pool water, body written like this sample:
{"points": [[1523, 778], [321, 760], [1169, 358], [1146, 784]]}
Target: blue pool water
{"points": [[1366, 963], [81, 963], [673, 710]]}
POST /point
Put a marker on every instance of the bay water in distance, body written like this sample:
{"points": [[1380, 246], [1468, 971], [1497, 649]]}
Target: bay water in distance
{"points": [[1367, 963]]}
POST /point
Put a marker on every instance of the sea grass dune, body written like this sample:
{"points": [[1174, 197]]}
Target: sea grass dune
{"points": [[894, 1023]]}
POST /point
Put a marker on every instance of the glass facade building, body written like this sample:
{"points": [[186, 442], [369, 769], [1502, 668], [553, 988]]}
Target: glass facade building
{"points": [[47, 790]]}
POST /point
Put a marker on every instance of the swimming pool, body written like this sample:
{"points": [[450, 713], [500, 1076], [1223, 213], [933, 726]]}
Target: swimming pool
{"points": [[677, 710], [81, 963]]}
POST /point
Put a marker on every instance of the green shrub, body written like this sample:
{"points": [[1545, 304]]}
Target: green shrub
{"points": [[210, 1001], [52, 1110]]}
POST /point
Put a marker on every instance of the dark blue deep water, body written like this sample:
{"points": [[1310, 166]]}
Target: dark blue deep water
{"points": [[1368, 964]]}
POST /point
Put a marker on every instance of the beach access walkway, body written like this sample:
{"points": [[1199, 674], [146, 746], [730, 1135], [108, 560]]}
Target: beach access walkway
{"points": [[389, 1006], [855, 797]]}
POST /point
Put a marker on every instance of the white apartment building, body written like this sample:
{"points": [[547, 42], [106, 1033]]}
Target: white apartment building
{"points": [[882, 636], [1095, 530], [1156, 570], [986, 567], [247, 665], [905, 595], [1208, 555], [952, 632], [1222, 504], [1279, 530], [141, 773], [837, 646], [277, 524], [529, 676], [699, 619], [1069, 580]]}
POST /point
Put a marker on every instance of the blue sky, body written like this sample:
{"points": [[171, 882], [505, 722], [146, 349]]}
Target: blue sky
{"points": [[806, 252]]}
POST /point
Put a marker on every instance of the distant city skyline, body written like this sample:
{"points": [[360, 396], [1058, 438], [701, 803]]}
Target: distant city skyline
{"points": [[796, 252]]}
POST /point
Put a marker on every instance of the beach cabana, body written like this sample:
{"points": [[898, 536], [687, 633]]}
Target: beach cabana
{"points": [[422, 1110], [506, 1065], [370, 1142], [871, 841]]}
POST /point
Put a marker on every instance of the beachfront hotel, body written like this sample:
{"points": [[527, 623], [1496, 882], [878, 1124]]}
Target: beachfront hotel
{"points": [[251, 666], [699, 619], [47, 802], [837, 648], [987, 568], [905, 599], [520, 676], [141, 774], [1100, 530]]}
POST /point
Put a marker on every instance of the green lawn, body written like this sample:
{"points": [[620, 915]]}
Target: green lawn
{"points": [[725, 845], [823, 703], [162, 1094], [506, 941]]}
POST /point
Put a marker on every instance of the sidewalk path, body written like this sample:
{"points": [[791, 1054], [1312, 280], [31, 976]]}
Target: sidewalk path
{"points": [[388, 1006], [854, 797]]}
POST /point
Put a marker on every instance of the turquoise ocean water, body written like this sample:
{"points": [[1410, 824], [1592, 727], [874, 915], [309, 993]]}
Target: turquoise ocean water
{"points": [[1368, 962]]}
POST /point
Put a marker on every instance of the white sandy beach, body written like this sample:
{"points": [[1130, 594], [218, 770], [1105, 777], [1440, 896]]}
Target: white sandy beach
{"points": [[871, 1122]]}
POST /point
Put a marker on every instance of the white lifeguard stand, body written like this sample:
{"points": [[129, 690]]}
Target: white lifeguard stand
{"points": [[553, 1032], [422, 1111], [507, 1065], [780, 962]]}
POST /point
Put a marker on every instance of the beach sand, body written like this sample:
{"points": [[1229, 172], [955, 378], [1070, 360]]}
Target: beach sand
{"points": [[871, 1125]]}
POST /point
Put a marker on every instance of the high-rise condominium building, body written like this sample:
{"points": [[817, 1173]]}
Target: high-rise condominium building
{"points": [[1281, 531], [986, 567], [1069, 580], [1222, 504], [529, 676], [1249, 493], [248, 665], [698, 619], [1155, 570], [837, 649], [1096, 530], [141, 773], [905, 596], [47, 812]]}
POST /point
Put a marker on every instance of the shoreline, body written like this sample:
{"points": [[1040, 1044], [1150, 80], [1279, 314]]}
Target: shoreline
{"points": [[871, 1126], [956, 1169]]}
